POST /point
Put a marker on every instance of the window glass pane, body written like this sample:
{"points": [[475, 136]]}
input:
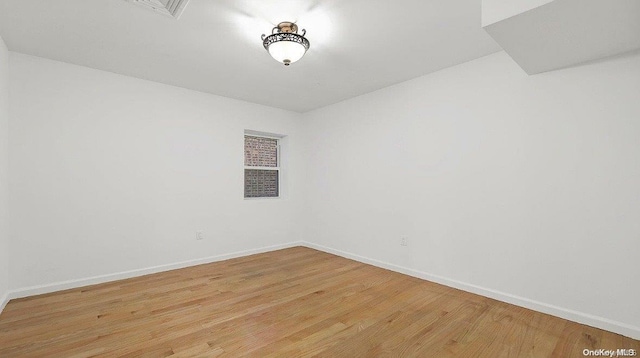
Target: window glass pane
{"points": [[260, 183], [260, 152]]}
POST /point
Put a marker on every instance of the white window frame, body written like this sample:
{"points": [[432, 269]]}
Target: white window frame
{"points": [[277, 168]]}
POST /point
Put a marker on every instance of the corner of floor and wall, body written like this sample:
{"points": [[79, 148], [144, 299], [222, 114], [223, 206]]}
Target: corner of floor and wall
{"points": [[520, 188]]}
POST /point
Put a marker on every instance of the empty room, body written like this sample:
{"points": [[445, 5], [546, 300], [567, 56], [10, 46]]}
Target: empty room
{"points": [[330, 178]]}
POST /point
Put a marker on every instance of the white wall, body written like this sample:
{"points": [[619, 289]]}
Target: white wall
{"points": [[522, 188], [111, 173], [4, 166]]}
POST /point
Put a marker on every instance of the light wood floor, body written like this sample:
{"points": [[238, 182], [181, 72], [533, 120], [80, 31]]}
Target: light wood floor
{"points": [[290, 303]]}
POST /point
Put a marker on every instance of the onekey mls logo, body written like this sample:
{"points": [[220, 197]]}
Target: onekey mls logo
{"points": [[620, 352]]}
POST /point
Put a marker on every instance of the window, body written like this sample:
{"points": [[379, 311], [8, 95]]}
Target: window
{"points": [[261, 167]]}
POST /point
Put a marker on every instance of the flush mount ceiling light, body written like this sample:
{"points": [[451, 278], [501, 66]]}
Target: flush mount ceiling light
{"points": [[284, 44]]}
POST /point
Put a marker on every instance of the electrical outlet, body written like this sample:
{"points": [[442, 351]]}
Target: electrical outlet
{"points": [[404, 241], [199, 235]]}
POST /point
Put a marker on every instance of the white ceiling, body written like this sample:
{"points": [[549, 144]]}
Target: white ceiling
{"points": [[556, 34], [357, 46]]}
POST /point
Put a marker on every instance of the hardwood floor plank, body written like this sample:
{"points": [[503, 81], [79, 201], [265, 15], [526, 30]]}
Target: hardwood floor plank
{"points": [[295, 302]]}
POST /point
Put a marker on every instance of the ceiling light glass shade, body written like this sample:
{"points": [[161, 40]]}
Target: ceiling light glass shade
{"points": [[286, 52], [285, 45]]}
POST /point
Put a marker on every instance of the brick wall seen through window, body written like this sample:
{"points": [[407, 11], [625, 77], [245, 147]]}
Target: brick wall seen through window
{"points": [[260, 152], [262, 170]]}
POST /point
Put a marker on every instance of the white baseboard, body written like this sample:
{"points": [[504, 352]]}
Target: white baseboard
{"points": [[3, 301], [571, 315], [65, 285]]}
